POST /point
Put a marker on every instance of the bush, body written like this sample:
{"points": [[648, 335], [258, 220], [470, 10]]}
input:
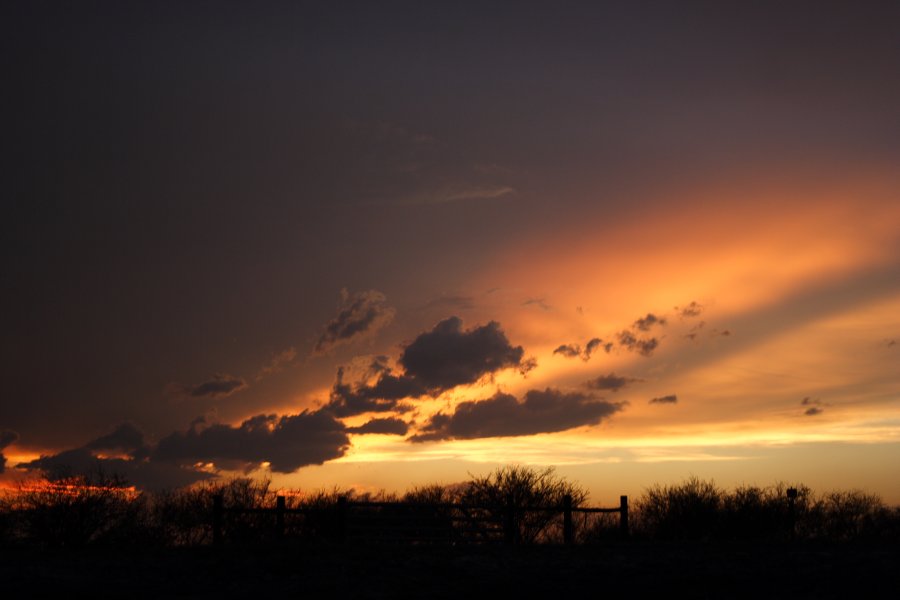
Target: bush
{"points": [[689, 510], [507, 491], [847, 515], [76, 511], [752, 512]]}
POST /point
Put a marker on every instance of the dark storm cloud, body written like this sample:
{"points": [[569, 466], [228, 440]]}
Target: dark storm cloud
{"points": [[448, 355], [542, 411], [135, 469], [287, 442], [670, 399], [220, 386], [436, 361], [390, 426], [360, 315], [646, 323], [144, 474], [125, 438], [632, 343], [346, 400], [611, 382], [7, 437]]}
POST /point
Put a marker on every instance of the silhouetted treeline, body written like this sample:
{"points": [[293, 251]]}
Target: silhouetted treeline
{"points": [[101, 510]]}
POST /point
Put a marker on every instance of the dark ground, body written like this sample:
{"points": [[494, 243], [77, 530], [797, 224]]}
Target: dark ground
{"points": [[690, 569]]}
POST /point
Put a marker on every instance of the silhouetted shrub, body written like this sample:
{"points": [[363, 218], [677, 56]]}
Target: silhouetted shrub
{"points": [[846, 515], [506, 491], [100, 509], [763, 513], [690, 510], [75, 511]]}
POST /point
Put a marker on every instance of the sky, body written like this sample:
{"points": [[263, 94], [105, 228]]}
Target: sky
{"points": [[386, 244]]}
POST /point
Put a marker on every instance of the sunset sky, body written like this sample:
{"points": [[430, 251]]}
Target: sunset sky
{"points": [[382, 244]]}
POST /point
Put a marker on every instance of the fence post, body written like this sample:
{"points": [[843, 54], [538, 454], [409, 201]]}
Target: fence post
{"points": [[568, 532], [623, 516], [217, 517], [279, 517]]}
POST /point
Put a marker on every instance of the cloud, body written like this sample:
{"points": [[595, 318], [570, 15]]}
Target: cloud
{"points": [[446, 196], [815, 406], [630, 339], [611, 382], [568, 350], [220, 386], [126, 438], [592, 345], [690, 311], [670, 399], [646, 323], [359, 316], [436, 361], [541, 411], [695, 330], [144, 474], [643, 346], [7, 437], [135, 469], [287, 442], [448, 355], [574, 350], [389, 426], [384, 395], [277, 363], [539, 302]]}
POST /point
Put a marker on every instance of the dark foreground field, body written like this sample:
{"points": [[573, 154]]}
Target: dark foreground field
{"points": [[692, 569]]}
